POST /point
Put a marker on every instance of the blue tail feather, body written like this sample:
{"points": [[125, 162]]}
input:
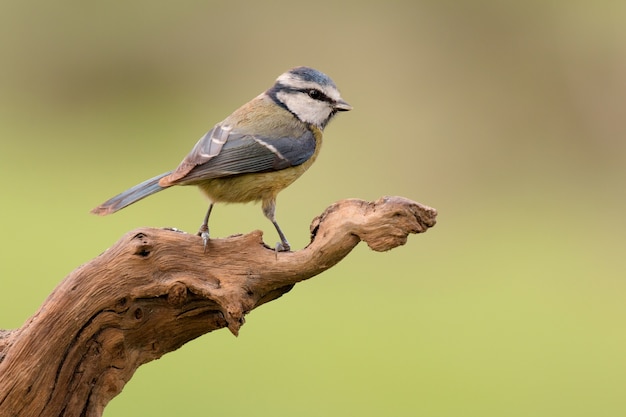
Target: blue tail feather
{"points": [[130, 196]]}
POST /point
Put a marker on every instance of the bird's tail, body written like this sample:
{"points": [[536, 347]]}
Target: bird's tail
{"points": [[128, 197]]}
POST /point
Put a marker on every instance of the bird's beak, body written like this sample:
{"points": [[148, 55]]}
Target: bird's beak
{"points": [[341, 105]]}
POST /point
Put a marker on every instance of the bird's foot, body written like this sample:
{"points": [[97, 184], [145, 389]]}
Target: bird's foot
{"points": [[204, 234], [282, 247]]}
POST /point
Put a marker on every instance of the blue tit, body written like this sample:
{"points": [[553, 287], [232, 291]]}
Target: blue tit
{"points": [[256, 152]]}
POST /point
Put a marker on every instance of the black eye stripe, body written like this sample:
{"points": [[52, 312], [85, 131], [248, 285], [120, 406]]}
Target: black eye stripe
{"points": [[316, 94], [312, 92]]}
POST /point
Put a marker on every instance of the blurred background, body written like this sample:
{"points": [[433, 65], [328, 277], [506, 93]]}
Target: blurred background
{"points": [[508, 117]]}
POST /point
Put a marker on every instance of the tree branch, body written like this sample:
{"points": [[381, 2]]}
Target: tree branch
{"points": [[156, 289]]}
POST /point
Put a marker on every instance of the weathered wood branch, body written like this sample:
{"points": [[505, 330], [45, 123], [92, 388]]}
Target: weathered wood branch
{"points": [[156, 289]]}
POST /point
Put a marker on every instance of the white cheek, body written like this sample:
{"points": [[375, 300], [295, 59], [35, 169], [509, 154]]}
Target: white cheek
{"points": [[308, 110], [313, 112]]}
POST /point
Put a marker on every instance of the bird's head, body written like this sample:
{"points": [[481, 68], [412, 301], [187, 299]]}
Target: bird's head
{"points": [[308, 94]]}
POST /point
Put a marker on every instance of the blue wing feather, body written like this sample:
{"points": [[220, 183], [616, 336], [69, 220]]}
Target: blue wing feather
{"points": [[245, 153]]}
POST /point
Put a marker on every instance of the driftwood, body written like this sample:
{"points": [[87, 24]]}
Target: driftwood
{"points": [[157, 289]]}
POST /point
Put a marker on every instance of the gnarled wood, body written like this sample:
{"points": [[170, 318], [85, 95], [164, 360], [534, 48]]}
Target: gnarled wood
{"points": [[156, 289]]}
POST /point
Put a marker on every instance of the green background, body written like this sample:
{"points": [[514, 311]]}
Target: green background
{"points": [[508, 117]]}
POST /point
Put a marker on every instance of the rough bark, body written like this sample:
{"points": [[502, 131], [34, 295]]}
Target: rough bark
{"points": [[156, 289]]}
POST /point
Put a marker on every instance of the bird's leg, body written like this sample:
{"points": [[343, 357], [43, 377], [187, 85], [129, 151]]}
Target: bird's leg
{"points": [[269, 209], [204, 228], [283, 245]]}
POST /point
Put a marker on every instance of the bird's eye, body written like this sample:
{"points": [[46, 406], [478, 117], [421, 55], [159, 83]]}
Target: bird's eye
{"points": [[315, 94]]}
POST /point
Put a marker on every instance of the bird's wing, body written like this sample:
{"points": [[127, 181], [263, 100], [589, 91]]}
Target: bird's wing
{"points": [[223, 152], [205, 149]]}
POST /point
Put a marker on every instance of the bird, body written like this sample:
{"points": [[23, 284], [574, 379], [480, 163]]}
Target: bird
{"points": [[255, 152]]}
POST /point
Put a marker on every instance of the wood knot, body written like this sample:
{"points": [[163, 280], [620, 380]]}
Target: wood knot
{"points": [[121, 305], [177, 294], [143, 248]]}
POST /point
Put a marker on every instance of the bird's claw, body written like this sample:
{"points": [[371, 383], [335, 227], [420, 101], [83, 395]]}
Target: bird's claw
{"points": [[204, 234], [205, 239], [282, 247]]}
